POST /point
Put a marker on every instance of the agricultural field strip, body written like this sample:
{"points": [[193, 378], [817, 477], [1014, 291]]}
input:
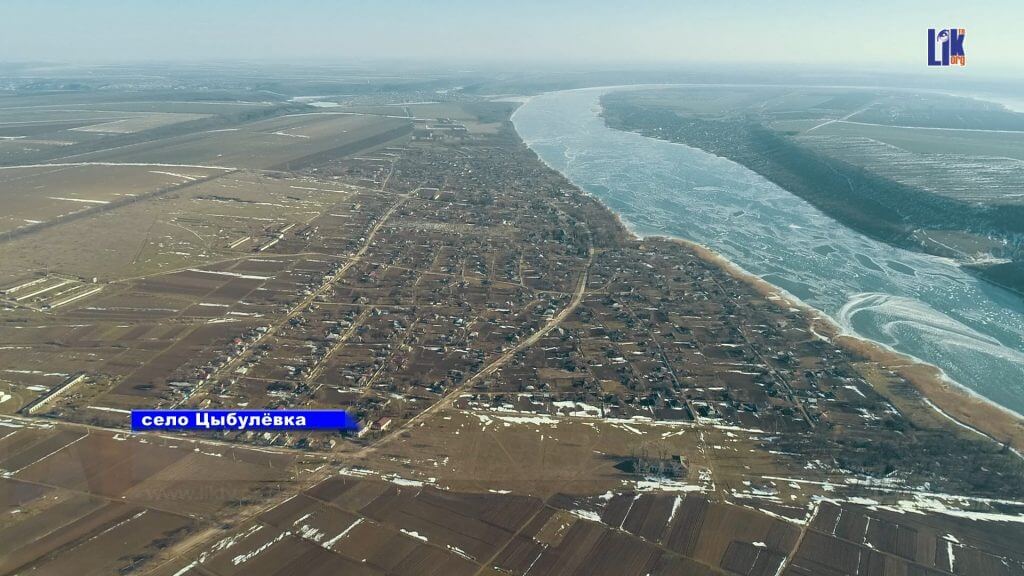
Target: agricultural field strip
{"points": [[211, 528], [43, 420], [116, 164], [511, 539], [88, 493], [197, 542], [45, 456], [808, 527], [50, 107], [804, 528], [482, 563], [114, 204], [904, 127], [363, 518]]}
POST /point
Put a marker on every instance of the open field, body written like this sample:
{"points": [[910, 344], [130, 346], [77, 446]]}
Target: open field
{"points": [[365, 526], [102, 502], [139, 123], [276, 143], [921, 141], [40, 196], [30, 131]]}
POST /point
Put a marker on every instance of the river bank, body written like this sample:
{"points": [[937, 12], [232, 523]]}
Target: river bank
{"points": [[940, 399], [939, 394]]}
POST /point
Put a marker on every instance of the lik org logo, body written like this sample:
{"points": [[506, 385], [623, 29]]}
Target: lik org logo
{"points": [[946, 46]]}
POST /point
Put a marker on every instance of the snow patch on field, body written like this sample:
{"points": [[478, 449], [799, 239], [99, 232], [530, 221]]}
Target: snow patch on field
{"points": [[343, 533], [393, 478], [226, 543], [414, 534], [653, 484], [226, 273], [538, 419], [243, 558], [587, 515], [174, 174], [83, 200], [675, 508], [106, 409], [187, 567]]}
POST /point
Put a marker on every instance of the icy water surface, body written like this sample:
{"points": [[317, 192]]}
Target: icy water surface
{"points": [[921, 305]]}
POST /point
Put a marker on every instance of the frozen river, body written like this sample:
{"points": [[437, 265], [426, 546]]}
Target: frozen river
{"points": [[920, 305]]}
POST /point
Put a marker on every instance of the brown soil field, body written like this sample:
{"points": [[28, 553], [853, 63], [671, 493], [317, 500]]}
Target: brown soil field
{"points": [[25, 454], [262, 144], [39, 194], [102, 502], [480, 452], [852, 539], [130, 537], [100, 464]]}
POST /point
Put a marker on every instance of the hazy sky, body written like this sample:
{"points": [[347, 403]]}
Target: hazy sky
{"points": [[862, 33]]}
